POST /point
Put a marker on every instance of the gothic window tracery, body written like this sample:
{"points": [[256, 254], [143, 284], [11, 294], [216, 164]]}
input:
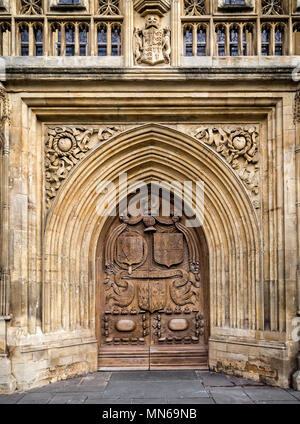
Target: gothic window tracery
{"points": [[272, 7], [38, 40], [31, 7], [116, 40], [70, 40], [279, 40], [102, 39], [194, 7], [247, 39], [96, 28], [188, 40], [265, 40], [221, 38], [201, 40], [109, 7], [83, 40], [296, 39], [235, 2], [234, 41], [24, 39], [195, 39], [5, 38]]}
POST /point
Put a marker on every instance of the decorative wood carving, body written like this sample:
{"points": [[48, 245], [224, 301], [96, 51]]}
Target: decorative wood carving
{"points": [[152, 273]]}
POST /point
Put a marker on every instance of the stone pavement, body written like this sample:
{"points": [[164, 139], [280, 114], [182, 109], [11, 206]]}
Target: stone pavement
{"points": [[154, 387]]}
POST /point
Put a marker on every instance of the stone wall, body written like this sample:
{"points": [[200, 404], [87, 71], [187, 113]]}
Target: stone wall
{"points": [[162, 125]]}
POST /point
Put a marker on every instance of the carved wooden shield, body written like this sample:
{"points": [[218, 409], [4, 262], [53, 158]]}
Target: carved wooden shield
{"points": [[152, 295], [168, 248], [130, 248]]}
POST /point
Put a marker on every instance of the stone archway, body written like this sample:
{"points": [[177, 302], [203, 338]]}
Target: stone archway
{"points": [[149, 152]]}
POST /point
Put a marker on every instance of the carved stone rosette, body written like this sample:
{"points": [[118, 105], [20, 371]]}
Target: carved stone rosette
{"points": [[238, 146], [65, 146]]}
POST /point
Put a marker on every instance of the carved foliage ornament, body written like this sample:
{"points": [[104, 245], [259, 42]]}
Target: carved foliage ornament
{"points": [[65, 146], [31, 7], [152, 45], [239, 148], [4, 107], [109, 7]]}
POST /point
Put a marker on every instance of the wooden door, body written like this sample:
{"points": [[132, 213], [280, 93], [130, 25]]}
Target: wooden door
{"points": [[152, 308]]}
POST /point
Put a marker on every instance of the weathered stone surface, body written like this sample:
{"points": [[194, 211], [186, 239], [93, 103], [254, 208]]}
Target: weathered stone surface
{"points": [[69, 124]]}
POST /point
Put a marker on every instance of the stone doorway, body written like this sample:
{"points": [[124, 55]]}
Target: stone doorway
{"points": [[152, 289]]}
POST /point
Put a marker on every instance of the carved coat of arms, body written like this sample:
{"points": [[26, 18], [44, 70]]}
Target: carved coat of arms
{"points": [[152, 45], [168, 248]]}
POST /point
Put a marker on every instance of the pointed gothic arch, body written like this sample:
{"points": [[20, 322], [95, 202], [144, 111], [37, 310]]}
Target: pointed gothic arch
{"points": [[145, 153]]}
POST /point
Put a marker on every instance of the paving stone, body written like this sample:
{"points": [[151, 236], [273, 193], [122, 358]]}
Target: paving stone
{"points": [[11, 399], [242, 381], [214, 379], [191, 401], [231, 395], [279, 402], [82, 388], [68, 398], [267, 393], [153, 401], [155, 389], [95, 378], [153, 375], [294, 393], [101, 401], [35, 398]]}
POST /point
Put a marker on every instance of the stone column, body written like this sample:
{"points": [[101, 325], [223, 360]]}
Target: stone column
{"points": [[4, 167], [176, 31], [127, 31], [296, 376], [7, 382]]}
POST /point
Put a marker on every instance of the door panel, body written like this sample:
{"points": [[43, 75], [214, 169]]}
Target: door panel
{"points": [[151, 296]]}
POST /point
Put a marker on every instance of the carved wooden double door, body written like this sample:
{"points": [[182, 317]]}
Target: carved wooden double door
{"points": [[151, 311]]}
